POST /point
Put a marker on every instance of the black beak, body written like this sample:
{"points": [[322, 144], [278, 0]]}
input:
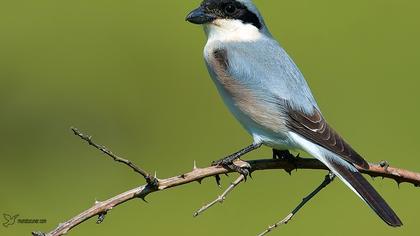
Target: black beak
{"points": [[198, 16]]}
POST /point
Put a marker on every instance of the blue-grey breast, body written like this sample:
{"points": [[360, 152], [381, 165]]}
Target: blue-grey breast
{"points": [[268, 95]]}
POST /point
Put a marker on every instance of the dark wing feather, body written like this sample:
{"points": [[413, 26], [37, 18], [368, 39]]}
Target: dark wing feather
{"points": [[316, 129]]}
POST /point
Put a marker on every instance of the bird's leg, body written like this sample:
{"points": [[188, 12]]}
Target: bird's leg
{"points": [[287, 156], [227, 162]]}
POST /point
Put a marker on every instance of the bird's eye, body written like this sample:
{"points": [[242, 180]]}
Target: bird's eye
{"points": [[230, 9]]}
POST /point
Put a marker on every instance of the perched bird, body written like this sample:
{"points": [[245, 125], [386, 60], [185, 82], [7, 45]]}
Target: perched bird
{"points": [[268, 95]]}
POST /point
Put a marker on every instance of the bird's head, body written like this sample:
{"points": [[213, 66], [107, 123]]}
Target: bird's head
{"points": [[226, 13]]}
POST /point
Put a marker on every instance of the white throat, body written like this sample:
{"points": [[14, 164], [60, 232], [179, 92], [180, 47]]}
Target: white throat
{"points": [[232, 30]]}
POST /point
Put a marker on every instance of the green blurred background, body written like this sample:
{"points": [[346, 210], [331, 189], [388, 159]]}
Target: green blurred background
{"points": [[131, 74]]}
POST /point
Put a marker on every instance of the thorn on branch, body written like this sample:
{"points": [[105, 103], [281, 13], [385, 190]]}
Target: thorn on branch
{"points": [[153, 181], [398, 183], [289, 171], [101, 217], [195, 165], [144, 199], [217, 177]]}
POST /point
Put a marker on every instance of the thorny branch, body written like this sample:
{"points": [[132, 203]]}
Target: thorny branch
{"points": [[154, 184]]}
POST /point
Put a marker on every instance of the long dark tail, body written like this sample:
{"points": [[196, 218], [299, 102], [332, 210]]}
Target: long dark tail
{"points": [[352, 178], [360, 185]]}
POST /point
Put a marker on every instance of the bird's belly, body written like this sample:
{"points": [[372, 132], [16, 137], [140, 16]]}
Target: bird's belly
{"points": [[265, 125]]}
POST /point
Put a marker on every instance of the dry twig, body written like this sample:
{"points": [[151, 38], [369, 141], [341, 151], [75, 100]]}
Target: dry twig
{"points": [[149, 179], [222, 197], [328, 179], [198, 174]]}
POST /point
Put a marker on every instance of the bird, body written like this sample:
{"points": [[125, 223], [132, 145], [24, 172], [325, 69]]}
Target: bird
{"points": [[267, 93]]}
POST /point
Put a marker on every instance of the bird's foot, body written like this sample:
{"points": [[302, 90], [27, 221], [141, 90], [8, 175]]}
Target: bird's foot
{"points": [[236, 165], [231, 162], [287, 156]]}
